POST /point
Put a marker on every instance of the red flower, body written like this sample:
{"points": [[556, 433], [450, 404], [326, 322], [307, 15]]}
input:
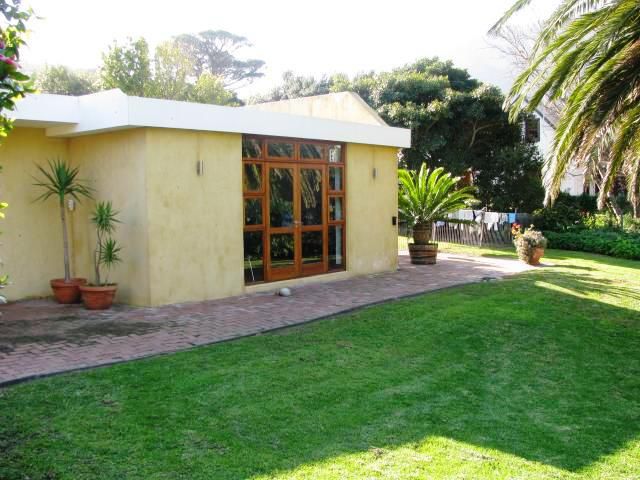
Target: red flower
{"points": [[515, 229], [9, 61]]}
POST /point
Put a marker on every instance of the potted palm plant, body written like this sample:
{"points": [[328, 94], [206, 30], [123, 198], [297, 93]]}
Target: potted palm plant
{"points": [[425, 197], [60, 181], [99, 295]]}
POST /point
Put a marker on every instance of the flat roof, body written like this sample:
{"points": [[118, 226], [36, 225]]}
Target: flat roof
{"points": [[67, 116]]}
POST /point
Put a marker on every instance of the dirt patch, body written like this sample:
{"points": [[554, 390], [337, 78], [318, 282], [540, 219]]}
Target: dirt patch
{"points": [[114, 328], [77, 331]]}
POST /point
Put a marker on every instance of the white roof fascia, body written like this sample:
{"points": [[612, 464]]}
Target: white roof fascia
{"points": [[113, 110], [99, 112], [147, 112], [46, 109]]}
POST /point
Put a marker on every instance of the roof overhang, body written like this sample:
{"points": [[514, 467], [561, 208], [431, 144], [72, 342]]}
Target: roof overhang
{"points": [[65, 116]]}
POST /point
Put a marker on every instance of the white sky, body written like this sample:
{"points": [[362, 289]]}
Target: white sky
{"points": [[309, 38]]}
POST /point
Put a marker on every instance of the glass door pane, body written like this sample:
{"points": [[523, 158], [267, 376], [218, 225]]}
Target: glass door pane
{"points": [[311, 196], [253, 257], [336, 241], [312, 251], [335, 179], [283, 236], [282, 250], [312, 219], [281, 209]]}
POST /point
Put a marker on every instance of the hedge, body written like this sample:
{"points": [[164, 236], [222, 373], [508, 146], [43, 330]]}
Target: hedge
{"points": [[606, 242]]}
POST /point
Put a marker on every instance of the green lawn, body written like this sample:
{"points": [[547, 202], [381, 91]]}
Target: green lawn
{"points": [[532, 377]]}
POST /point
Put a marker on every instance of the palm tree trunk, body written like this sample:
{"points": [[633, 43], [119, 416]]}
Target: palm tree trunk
{"points": [[65, 242], [615, 209]]}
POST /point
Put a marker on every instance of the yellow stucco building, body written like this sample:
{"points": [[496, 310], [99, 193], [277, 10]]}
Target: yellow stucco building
{"points": [[214, 201]]}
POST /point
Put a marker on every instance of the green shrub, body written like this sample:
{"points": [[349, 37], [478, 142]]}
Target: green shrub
{"points": [[606, 242], [567, 213], [631, 225]]}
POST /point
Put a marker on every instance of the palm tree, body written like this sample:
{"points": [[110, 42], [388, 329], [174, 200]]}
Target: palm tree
{"points": [[592, 48], [58, 181], [426, 197], [107, 251]]}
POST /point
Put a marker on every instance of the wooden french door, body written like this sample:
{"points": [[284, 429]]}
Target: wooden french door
{"points": [[296, 220], [294, 208]]}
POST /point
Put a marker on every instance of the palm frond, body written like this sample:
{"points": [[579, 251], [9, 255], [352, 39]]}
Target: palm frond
{"points": [[110, 253], [427, 196], [60, 179], [516, 7], [591, 53], [104, 217]]}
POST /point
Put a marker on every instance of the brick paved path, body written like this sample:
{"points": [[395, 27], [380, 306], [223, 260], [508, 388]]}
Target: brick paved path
{"points": [[40, 337]]}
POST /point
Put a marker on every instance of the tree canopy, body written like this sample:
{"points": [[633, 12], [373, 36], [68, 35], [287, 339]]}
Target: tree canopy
{"points": [[63, 80], [127, 67], [214, 51], [457, 122], [195, 68]]}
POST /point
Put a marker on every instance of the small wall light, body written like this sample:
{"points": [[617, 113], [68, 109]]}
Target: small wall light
{"points": [[375, 172], [71, 204], [200, 167]]}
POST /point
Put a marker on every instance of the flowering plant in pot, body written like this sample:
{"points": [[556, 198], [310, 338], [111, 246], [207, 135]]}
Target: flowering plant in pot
{"points": [[530, 244], [425, 197], [60, 181], [99, 294]]}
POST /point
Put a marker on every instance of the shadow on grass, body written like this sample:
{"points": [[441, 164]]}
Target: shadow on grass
{"points": [[543, 374]]}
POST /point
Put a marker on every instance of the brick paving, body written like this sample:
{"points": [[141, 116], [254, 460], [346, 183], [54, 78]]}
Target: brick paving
{"points": [[39, 337]]}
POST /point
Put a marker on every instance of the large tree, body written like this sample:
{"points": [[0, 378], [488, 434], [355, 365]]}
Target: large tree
{"points": [[65, 81], [215, 52], [127, 67], [172, 74], [210, 89], [511, 179], [296, 86], [592, 49], [456, 121]]}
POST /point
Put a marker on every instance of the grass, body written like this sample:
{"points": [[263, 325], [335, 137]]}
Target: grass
{"points": [[493, 251], [537, 376]]}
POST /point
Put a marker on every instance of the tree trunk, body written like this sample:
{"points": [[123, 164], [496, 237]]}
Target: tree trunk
{"points": [[615, 209], [97, 255], [65, 242]]}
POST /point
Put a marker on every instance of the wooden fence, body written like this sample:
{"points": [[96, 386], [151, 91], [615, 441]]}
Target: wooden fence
{"points": [[485, 229]]}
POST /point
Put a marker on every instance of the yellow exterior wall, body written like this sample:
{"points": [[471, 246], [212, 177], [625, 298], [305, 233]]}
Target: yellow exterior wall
{"points": [[31, 240], [114, 164], [195, 222], [372, 240], [181, 233]]}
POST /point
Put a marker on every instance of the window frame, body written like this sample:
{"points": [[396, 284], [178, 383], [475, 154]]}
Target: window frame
{"points": [[324, 164]]}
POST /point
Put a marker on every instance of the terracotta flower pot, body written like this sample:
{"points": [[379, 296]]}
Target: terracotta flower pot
{"points": [[536, 254], [423, 254], [98, 298], [67, 292]]}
